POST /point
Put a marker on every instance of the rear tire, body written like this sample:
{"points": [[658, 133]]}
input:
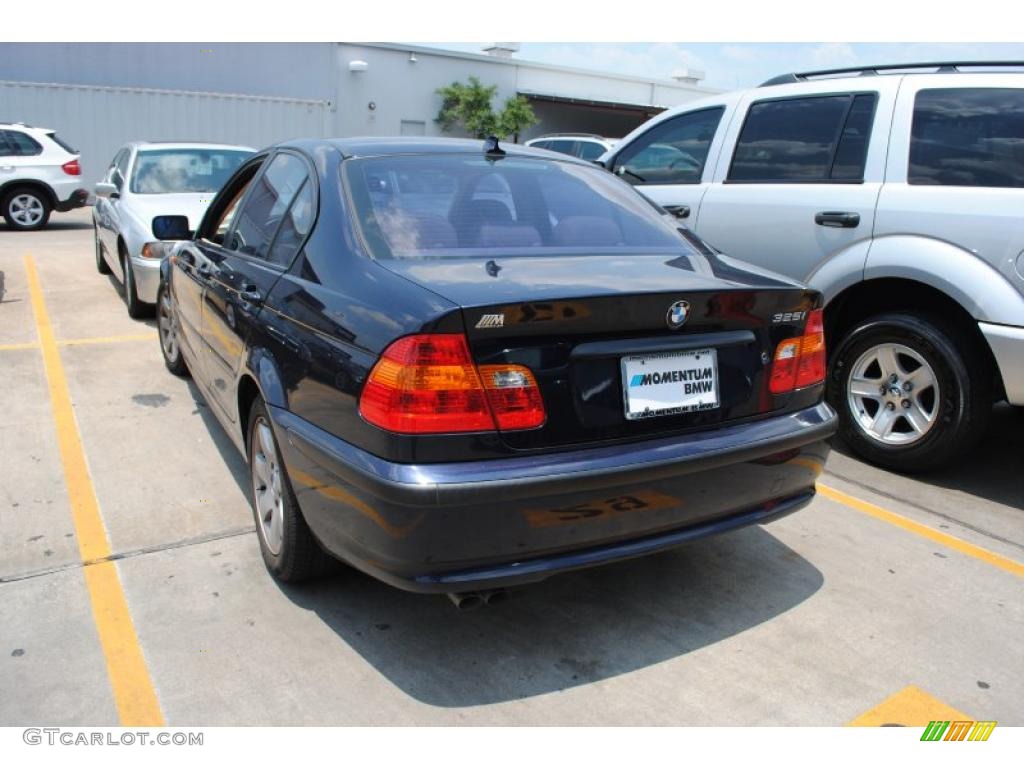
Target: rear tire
{"points": [[169, 330], [26, 209], [101, 263], [913, 392], [289, 550]]}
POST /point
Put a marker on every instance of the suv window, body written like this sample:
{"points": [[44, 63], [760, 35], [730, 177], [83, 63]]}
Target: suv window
{"points": [[266, 207], [968, 137], [18, 144], [565, 146], [590, 150], [807, 139], [673, 152]]}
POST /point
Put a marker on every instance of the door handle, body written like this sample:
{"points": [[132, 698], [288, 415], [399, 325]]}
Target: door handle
{"points": [[837, 219], [204, 271], [251, 295], [6, 168], [679, 211]]}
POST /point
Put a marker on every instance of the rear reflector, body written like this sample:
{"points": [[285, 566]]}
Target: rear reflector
{"points": [[800, 362], [72, 168], [428, 384]]}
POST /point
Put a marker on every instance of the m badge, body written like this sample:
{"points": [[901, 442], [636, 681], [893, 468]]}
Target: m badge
{"points": [[491, 321]]}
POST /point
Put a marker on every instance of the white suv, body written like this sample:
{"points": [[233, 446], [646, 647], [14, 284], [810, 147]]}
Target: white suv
{"points": [[39, 173], [898, 192]]}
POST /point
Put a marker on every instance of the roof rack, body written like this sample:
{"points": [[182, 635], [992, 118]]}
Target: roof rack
{"points": [[940, 66]]}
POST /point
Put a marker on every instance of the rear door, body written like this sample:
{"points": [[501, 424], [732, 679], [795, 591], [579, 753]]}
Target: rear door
{"points": [[672, 162], [956, 166], [799, 180], [270, 226]]}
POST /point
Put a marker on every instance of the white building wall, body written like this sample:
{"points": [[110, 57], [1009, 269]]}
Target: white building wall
{"points": [[97, 120]]}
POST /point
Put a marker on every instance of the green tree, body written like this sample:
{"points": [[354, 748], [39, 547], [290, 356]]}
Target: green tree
{"points": [[469, 105]]}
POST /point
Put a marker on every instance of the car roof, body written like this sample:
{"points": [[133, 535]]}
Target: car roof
{"points": [[186, 145], [376, 146]]}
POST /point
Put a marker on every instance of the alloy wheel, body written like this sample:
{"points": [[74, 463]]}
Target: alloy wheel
{"points": [[893, 394], [26, 209], [267, 486], [167, 322]]}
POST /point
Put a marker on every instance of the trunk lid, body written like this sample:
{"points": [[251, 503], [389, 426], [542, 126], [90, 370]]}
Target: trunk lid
{"points": [[574, 319]]}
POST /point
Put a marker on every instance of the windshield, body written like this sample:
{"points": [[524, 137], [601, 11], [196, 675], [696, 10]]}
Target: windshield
{"points": [[466, 206], [165, 171]]}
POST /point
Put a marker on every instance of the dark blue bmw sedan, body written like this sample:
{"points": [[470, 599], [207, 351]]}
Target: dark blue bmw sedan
{"points": [[459, 366]]}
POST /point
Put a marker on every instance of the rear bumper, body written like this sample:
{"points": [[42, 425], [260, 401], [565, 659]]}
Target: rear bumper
{"points": [[1007, 345], [76, 199], [474, 525]]}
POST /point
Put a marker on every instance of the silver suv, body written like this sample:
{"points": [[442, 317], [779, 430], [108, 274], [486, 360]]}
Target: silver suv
{"points": [[897, 191], [39, 173]]}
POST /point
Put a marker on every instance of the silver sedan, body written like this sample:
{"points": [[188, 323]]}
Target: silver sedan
{"points": [[146, 180]]}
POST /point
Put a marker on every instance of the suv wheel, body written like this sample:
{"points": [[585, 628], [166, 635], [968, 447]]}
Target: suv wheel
{"points": [[289, 550], [912, 392], [26, 209]]}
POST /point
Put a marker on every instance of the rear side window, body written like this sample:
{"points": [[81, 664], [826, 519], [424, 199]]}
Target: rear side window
{"points": [[564, 146], [266, 209], [62, 144], [18, 144], [467, 207], [590, 150], [968, 137], [812, 140]]}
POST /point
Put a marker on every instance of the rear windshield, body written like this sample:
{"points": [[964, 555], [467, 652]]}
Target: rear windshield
{"points": [[466, 206], [164, 171], [62, 144]]}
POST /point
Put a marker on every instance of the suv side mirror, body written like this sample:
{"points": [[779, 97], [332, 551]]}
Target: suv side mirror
{"points": [[171, 228], [106, 189]]}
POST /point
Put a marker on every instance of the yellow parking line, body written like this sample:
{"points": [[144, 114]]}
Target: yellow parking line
{"points": [[109, 339], [133, 689], [88, 340], [911, 707], [966, 548], [25, 345]]}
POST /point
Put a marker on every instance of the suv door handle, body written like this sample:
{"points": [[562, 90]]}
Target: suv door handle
{"points": [[679, 211], [837, 219]]}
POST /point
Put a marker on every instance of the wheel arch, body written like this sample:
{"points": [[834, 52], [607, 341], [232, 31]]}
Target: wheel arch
{"points": [[861, 300], [42, 186], [260, 378]]}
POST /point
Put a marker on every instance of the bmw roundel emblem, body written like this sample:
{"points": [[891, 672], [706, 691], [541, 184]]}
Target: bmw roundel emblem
{"points": [[677, 314]]}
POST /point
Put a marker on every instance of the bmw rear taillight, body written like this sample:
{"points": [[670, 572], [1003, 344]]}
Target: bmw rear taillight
{"points": [[72, 168], [428, 384], [800, 361]]}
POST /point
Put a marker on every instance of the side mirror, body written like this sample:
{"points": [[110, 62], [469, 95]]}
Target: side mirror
{"points": [[106, 189], [599, 163], [171, 228]]}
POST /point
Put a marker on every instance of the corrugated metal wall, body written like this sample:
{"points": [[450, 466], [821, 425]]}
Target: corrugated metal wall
{"points": [[97, 120]]}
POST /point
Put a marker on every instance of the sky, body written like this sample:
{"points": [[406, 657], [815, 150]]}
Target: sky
{"points": [[741, 65]]}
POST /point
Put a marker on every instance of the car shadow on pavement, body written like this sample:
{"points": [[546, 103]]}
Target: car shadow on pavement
{"points": [[994, 470], [571, 630], [232, 458]]}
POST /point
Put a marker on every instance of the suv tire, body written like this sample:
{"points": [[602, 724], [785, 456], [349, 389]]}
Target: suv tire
{"points": [[289, 550], [912, 392], [26, 209]]}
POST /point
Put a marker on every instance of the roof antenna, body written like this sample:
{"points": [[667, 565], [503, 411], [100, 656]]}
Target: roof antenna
{"points": [[491, 148]]}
